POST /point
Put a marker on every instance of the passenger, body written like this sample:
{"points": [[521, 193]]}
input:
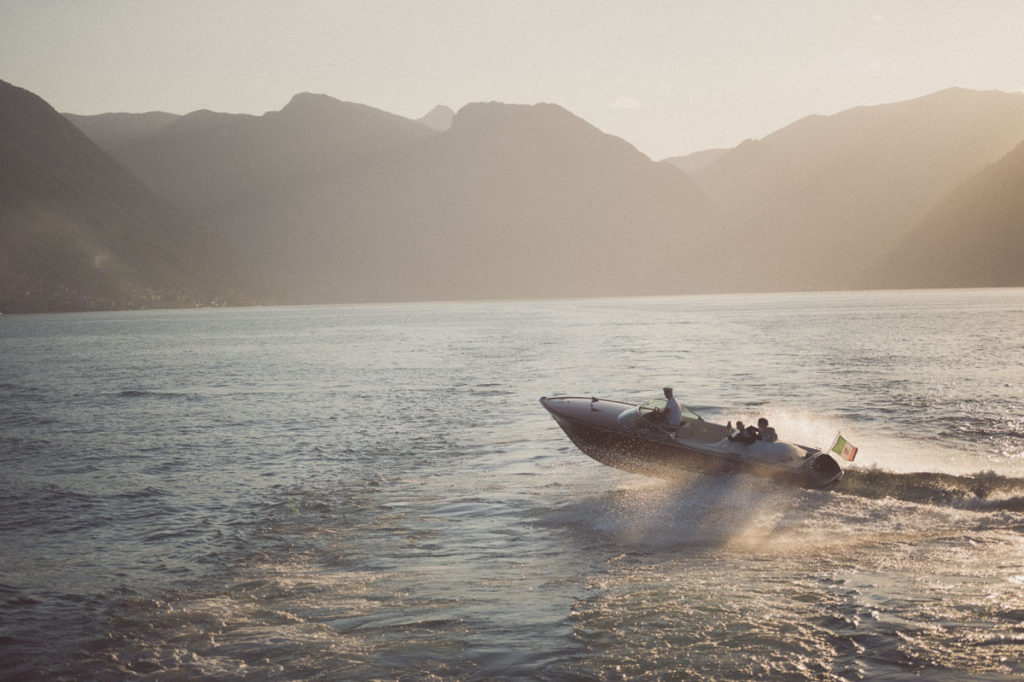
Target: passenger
{"points": [[765, 432], [673, 414], [744, 434]]}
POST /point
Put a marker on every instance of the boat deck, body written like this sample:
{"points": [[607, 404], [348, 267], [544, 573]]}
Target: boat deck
{"points": [[701, 432]]}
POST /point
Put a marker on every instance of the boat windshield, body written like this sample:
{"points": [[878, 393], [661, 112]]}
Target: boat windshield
{"points": [[658, 405], [628, 418]]}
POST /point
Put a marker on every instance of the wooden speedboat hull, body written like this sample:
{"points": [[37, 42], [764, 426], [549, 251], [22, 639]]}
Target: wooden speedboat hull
{"points": [[620, 435]]}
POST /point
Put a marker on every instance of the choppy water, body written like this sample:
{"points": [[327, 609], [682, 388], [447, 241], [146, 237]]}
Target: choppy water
{"points": [[373, 492]]}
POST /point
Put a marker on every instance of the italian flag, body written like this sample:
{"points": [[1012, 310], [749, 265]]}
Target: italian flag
{"points": [[843, 448]]}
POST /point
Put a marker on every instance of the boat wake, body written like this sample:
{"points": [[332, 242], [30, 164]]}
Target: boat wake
{"points": [[984, 491]]}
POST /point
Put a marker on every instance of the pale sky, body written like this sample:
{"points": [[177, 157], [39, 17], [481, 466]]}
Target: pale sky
{"points": [[669, 76]]}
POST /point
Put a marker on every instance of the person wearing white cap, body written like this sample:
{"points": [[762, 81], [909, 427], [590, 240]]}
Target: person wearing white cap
{"points": [[673, 414]]}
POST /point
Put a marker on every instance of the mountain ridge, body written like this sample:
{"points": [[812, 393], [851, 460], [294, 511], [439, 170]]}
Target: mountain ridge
{"points": [[343, 202], [421, 209], [841, 189], [79, 232], [948, 234]]}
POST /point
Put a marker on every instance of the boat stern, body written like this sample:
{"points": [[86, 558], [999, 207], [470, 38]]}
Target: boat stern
{"points": [[826, 470]]}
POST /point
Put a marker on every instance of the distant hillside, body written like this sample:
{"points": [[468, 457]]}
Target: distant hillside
{"points": [[343, 202], [827, 195], [248, 176], [111, 130], [692, 163], [975, 237], [439, 118], [532, 201], [79, 232]]}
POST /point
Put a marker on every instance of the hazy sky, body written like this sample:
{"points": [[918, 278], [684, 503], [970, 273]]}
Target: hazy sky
{"points": [[671, 77]]}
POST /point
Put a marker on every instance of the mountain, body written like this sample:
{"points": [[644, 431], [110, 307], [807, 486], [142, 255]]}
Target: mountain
{"points": [[108, 130], [343, 202], [79, 232], [532, 201], [691, 163], [974, 237], [825, 197], [248, 176], [439, 118]]}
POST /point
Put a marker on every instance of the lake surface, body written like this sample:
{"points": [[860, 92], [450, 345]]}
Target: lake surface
{"points": [[374, 492]]}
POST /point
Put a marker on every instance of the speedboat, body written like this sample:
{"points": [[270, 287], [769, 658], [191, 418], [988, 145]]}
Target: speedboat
{"points": [[635, 438]]}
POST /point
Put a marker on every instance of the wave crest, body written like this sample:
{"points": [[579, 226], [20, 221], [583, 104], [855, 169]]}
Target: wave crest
{"points": [[985, 490]]}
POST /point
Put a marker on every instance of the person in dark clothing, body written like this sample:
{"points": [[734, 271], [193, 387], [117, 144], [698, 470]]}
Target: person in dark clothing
{"points": [[744, 434], [765, 432]]}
